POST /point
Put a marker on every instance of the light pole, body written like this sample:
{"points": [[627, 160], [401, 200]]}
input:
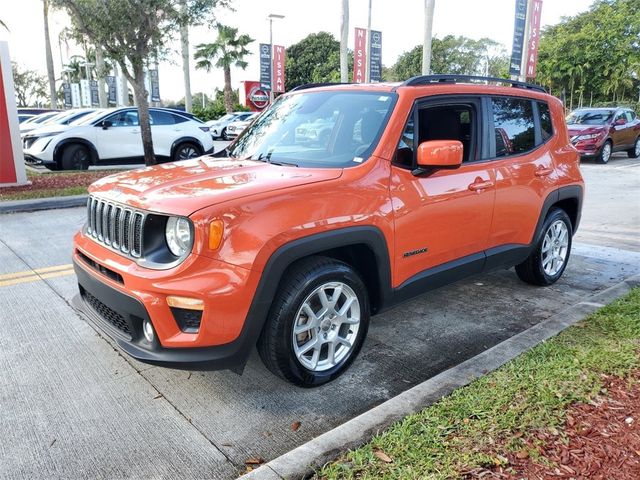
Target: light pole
{"points": [[367, 69], [429, 6], [87, 65], [271, 17]]}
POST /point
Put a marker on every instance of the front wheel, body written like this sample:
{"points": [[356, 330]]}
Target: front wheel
{"points": [[75, 157], [635, 151], [317, 323], [550, 255], [605, 153], [224, 135]]}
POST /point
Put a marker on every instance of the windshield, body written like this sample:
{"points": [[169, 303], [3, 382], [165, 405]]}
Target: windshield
{"points": [[317, 129], [590, 117], [86, 119]]}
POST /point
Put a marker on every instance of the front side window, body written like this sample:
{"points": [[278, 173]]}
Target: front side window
{"points": [[317, 129], [629, 116], [514, 126], [125, 119]]}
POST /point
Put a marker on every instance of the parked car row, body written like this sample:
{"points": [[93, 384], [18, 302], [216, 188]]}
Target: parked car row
{"points": [[76, 139], [220, 128]]}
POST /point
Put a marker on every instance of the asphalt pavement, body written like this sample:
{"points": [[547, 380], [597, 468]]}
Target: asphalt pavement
{"points": [[73, 406]]}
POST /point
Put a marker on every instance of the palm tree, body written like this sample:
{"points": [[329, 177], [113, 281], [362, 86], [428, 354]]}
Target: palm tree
{"points": [[184, 46], [47, 49], [228, 50]]}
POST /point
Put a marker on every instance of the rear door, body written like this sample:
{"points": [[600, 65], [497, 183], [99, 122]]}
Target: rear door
{"points": [[522, 155], [164, 131], [442, 218]]}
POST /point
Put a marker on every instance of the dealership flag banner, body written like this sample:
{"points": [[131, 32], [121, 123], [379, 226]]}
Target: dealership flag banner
{"points": [[360, 55], [375, 62], [265, 66], [12, 171], [95, 98], [534, 38], [155, 85], [66, 93], [111, 90], [278, 68], [518, 37]]}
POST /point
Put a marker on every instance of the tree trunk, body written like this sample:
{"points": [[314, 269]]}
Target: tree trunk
{"points": [[47, 48], [228, 94], [100, 72], [140, 95], [344, 39], [184, 43]]}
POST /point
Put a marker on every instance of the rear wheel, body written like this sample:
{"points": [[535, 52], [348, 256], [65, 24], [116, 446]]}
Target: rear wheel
{"points": [[605, 152], [317, 323], [223, 134], [185, 151], [75, 157], [550, 255], [635, 151]]}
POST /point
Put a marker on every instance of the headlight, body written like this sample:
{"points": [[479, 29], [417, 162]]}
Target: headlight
{"points": [[588, 137], [179, 235]]}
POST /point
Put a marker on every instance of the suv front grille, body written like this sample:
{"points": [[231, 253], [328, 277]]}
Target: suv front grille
{"points": [[116, 226], [107, 314]]}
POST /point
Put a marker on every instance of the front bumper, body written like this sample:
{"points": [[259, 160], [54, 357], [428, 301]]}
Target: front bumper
{"points": [[33, 160], [120, 316]]}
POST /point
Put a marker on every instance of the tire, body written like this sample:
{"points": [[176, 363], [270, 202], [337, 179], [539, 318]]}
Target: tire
{"points": [[540, 267], [635, 151], [283, 353], [185, 151], [75, 157], [605, 153], [223, 134]]}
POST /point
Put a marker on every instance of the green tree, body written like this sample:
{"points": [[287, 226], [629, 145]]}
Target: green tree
{"points": [[229, 49], [30, 86], [129, 32], [594, 55], [315, 58]]}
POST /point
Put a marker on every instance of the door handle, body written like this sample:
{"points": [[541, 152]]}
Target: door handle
{"points": [[135, 131], [480, 185], [543, 172]]}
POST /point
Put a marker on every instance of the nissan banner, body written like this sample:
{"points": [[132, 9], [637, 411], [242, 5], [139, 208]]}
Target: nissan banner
{"points": [[534, 39], [265, 66], [375, 61], [66, 92], [360, 55], [155, 85], [111, 89], [278, 68], [95, 98], [518, 37]]}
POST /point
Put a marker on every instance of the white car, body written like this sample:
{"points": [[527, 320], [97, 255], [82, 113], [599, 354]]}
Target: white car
{"points": [[113, 136], [60, 118], [218, 128], [37, 121], [236, 128]]}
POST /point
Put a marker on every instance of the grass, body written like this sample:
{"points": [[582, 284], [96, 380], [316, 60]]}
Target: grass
{"points": [[467, 429], [55, 184]]}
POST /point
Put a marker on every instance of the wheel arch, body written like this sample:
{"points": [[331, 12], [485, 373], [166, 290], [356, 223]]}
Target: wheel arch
{"points": [[187, 139], [569, 199], [64, 143]]}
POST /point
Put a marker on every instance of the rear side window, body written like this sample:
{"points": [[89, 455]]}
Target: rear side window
{"points": [[514, 126], [161, 118], [546, 127], [179, 119]]}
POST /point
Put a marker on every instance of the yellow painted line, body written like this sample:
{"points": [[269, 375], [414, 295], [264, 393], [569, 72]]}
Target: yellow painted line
{"points": [[28, 273], [37, 276]]}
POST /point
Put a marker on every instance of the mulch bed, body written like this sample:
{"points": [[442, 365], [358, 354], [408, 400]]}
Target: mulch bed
{"points": [[600, 440], [46, 181]]}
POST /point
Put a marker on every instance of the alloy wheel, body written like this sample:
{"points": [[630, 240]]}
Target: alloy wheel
{"points": [[326, 326], [555, 248], [606, 152], [187, 152]]}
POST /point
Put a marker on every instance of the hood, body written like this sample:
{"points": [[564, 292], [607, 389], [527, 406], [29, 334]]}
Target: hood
{"points": [[53, 128], [182, 188], [576, 129]]}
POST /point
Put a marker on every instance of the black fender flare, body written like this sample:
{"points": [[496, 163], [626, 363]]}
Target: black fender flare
{"points": [[300, 248], [59, 148], [187, 139], [568, 192]]}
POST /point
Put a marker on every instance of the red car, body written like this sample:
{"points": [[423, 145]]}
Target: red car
{"points": [[598, 132]]}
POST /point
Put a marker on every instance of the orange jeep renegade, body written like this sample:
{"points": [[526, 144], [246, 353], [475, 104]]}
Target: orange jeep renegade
{"points": [[337, 203]]}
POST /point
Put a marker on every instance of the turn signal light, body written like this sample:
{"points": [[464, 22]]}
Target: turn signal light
{"points": [[216, 229], [185, 302]]}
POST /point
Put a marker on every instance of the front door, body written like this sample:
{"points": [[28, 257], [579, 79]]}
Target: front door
{"points": [[122, 139], [442, 218]]}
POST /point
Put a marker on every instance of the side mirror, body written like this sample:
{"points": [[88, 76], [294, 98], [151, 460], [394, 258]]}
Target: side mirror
{"points": [[438, 154], [106, 124], [620, 121]]}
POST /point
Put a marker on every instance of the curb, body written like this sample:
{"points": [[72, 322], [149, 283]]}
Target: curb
{"points": [[35, 204], [301, 461]]}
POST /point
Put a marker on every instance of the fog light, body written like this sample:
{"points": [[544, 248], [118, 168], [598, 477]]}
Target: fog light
{"points": [[147, 329]]}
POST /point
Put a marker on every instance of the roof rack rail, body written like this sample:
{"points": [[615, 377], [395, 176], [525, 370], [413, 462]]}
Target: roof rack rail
{"points": [[429, 79], [314, 85]]}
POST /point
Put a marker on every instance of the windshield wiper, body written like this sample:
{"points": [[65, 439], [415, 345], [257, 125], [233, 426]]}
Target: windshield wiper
{"points": [[267, 159]]}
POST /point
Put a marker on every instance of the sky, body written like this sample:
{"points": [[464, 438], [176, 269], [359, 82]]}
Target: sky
{"points": [[401, 23]]}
